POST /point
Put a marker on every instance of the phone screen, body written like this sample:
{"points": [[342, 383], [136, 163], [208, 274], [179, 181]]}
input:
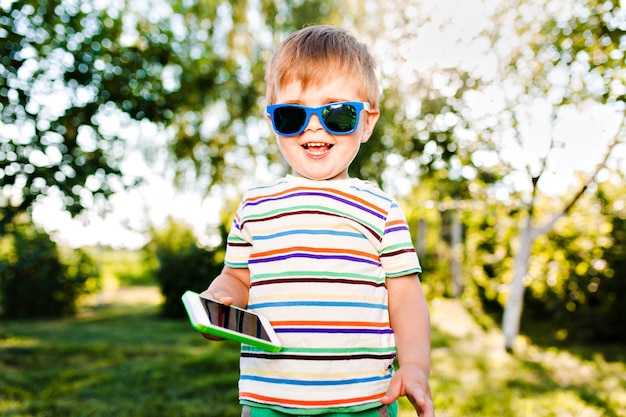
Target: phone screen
{"points": [[234, 319]]}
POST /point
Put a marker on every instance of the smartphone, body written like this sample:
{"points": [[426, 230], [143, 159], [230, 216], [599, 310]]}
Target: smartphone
{"points": [[229, 322]]}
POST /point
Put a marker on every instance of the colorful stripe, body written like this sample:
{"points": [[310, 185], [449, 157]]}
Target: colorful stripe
{"points": [[259, 306], [305, 232], [304, 211], [338, 195], [312, 383], [275, 281], [342, 402], [325, 358]]}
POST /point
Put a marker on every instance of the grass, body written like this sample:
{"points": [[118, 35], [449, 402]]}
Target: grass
{"points": [[114, 361], [120, 359]]}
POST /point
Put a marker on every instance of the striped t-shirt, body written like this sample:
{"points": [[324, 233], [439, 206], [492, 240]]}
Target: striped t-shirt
{"points": [[319, 253]]}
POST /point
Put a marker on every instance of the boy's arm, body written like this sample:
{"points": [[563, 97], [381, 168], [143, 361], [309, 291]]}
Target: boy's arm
{"points": [[231, 286], [408, 313]]}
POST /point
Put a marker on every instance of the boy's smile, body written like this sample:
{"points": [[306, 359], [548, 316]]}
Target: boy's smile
{"points": [[316, 153], [318, 149]]}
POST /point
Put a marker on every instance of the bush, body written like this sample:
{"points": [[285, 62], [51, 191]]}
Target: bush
{"points": [[182, 266], [34, 282], [127, 267]]}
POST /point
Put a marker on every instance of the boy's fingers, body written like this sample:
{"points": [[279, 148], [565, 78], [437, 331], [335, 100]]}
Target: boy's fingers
{"points": [[422, 403], [393, 392], [219, 296], [416, 394]]}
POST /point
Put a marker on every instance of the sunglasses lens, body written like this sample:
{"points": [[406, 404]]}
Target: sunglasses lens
{"points": [[289, 119], [340, 117]]}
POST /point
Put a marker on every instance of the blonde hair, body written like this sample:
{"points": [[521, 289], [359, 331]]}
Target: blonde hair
{"points": [[317, 53]]}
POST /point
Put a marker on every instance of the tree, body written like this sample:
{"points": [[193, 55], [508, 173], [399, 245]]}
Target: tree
{"points": [[563, 58], [583, 260], [54, 68], [70, 72]]}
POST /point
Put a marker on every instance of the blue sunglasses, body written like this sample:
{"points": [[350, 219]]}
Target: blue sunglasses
{"points": [[337, 118]]}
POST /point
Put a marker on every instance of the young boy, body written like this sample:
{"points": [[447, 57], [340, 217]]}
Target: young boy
{"points": [[326, 258]]}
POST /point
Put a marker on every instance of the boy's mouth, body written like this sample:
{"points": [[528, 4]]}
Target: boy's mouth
{"points": [[317, 148]]}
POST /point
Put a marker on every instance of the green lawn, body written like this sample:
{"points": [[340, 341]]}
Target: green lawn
{"points": [[122, 360]]}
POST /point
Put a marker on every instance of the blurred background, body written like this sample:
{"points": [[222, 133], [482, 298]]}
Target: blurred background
{"points": [[129, 130]]}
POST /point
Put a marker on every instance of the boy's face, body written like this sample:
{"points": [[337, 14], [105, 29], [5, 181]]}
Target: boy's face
{"points": [[315, 153]]}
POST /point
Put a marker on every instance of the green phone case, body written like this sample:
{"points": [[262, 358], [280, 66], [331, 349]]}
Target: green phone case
{"points": [[233, 335]]}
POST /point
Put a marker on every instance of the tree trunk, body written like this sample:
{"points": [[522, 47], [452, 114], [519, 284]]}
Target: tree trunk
{"points": [[514, 303], [457, 254]]}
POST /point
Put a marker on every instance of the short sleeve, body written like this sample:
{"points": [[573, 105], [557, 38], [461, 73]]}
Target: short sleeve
{"points": [[397, 253], [238, 248]]}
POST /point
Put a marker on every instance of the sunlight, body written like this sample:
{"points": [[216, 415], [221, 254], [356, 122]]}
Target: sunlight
{"points": [[450, 36]]}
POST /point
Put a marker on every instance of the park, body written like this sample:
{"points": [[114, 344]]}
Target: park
{"points": [[129, 132]]}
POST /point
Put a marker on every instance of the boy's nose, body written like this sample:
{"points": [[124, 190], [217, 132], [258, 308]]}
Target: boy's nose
{"points": [[314, 123]]}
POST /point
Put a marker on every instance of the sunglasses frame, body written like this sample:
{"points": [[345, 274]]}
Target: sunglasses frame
{"points": [[308, 111]]}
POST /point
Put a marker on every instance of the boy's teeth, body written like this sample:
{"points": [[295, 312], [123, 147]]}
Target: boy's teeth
{"points": [[317, 148]]}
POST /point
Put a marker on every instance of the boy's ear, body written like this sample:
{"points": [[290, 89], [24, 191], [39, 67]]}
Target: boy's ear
{"points": [[370, 123], [269, 120]]}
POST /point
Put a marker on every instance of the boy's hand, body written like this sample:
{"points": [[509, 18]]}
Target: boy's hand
{"points": [[230, 287], [409, 380]]}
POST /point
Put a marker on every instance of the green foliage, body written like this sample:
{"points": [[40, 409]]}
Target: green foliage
{"points": [[486, 233], [54, 48], [574, 286], [36, 282], [575, 290], [589, 38], [581, 291], [124, 266], [182, 265]]}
